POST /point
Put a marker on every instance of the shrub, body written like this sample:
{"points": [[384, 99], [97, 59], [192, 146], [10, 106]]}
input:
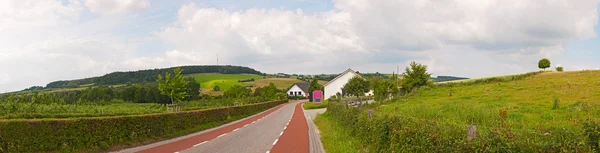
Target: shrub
{"points": [[99, 133], [216, 88], [555, 106], [559, 69]]}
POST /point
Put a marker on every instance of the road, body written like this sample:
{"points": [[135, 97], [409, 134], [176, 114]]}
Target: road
{"points": [[256, 134]]}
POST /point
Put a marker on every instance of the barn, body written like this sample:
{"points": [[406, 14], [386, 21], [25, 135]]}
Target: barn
{"points": [[298, 90]]}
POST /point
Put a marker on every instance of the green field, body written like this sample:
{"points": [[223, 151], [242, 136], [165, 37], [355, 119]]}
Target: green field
{"points": [[224, 81], [545, 112], [529, 102]]}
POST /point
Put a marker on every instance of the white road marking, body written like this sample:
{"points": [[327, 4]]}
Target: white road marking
{"points": [[222, 135], [237, 129], [246, 125], [200, 143], [281, 133], [268, 151], [284, 127], [253, 122], [275, 141]]}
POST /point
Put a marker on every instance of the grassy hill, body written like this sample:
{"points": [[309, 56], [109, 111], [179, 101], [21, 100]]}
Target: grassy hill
{"points": [[541, 112], [529, 102], [224, 81]]}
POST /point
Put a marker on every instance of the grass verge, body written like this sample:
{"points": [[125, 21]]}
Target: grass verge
{"points": [[336, 138], [310, 105]]}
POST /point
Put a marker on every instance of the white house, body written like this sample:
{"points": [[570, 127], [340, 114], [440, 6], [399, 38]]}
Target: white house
{"points": [[298, 90], [336, 84]]}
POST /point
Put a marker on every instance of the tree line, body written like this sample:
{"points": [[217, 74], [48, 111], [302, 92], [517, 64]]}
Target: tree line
{"points": [[141, 76]]}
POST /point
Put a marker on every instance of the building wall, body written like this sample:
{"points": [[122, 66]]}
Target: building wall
{"points": [[336, 86], [295, 89]]}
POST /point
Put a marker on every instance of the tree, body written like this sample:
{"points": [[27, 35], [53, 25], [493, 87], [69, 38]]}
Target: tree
{"points": [[383, 88], [356, 86], [544, 63], [267, 92], [173, 86], [216, 88], [193, 87], [415, 76], [559, 69], [237, 91]]}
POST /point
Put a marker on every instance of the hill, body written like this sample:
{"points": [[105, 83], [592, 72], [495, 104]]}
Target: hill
{"points": [[150, 75], [534, 112]]}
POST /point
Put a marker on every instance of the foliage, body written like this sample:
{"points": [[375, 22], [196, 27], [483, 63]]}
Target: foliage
{"points": [[193, 89], [142, 76], [266, 91], [559, 69], [314, 85], [237, 91], [383, 89], [415, 76], [246, 80], [173, 86], [102, 133], [357, 86], [216, 88], [544, 63]]}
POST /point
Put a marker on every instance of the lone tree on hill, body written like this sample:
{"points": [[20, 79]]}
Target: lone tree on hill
{"points": [[173, 86], [356, 86], [559, 69], [544, 63], [415, 76]]}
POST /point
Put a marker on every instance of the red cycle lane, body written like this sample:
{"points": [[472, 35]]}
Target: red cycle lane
{"points": [[295, 136], [191, 141]]}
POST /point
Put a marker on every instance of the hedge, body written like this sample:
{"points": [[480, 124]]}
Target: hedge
{"points": [[102, 133], [403, 134]]}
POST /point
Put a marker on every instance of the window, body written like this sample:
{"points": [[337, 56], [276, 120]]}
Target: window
{"points": [[291, 93]]}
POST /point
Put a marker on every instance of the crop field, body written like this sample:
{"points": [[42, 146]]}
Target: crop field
{"points": [[280, 83], [224, 81], [14, 110]]}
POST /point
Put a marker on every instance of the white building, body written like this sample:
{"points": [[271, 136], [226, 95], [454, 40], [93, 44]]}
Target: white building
{"points": [[298, 90], [336, 84]]}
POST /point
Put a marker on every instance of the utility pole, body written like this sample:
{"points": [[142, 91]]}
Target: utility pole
{"points": [[217, 59]]}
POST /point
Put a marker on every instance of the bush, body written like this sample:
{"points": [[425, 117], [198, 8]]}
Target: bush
{"points": [[100, 133], [559, 69], [216, 88]]}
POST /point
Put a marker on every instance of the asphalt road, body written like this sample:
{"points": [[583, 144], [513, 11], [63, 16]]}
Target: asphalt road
{"points": [[257, 137], [255, 134]]}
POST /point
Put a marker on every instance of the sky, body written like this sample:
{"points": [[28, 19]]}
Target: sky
{"points": [[47, 40]]}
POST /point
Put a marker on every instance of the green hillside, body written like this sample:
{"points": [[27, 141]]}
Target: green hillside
{"points": [[224, 81], [529, 102], [535, 112]]}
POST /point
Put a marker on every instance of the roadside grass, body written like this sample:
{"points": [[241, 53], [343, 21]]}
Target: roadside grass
{"points": [[521, 104], [311, 105], [335, 137]]}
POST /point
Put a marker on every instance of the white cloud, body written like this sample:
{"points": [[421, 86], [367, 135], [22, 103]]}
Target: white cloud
{"points": [[110, 7], [499, 36]]}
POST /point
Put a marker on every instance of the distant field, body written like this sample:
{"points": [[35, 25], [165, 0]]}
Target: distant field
{"points": [[224, 81], [280, 83]]}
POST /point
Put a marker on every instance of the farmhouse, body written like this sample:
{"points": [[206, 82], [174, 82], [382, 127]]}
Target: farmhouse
{"points": [[298, 90], [336, 84]]}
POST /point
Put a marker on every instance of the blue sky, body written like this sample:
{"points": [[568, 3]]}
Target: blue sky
{"points": [[71, 39]]}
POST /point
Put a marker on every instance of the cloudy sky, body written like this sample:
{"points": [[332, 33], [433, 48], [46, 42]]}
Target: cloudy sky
{"points": [[47, 40]]}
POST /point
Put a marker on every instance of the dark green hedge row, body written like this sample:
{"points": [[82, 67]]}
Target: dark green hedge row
{"points": [[398, 134], [100, 133]]}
